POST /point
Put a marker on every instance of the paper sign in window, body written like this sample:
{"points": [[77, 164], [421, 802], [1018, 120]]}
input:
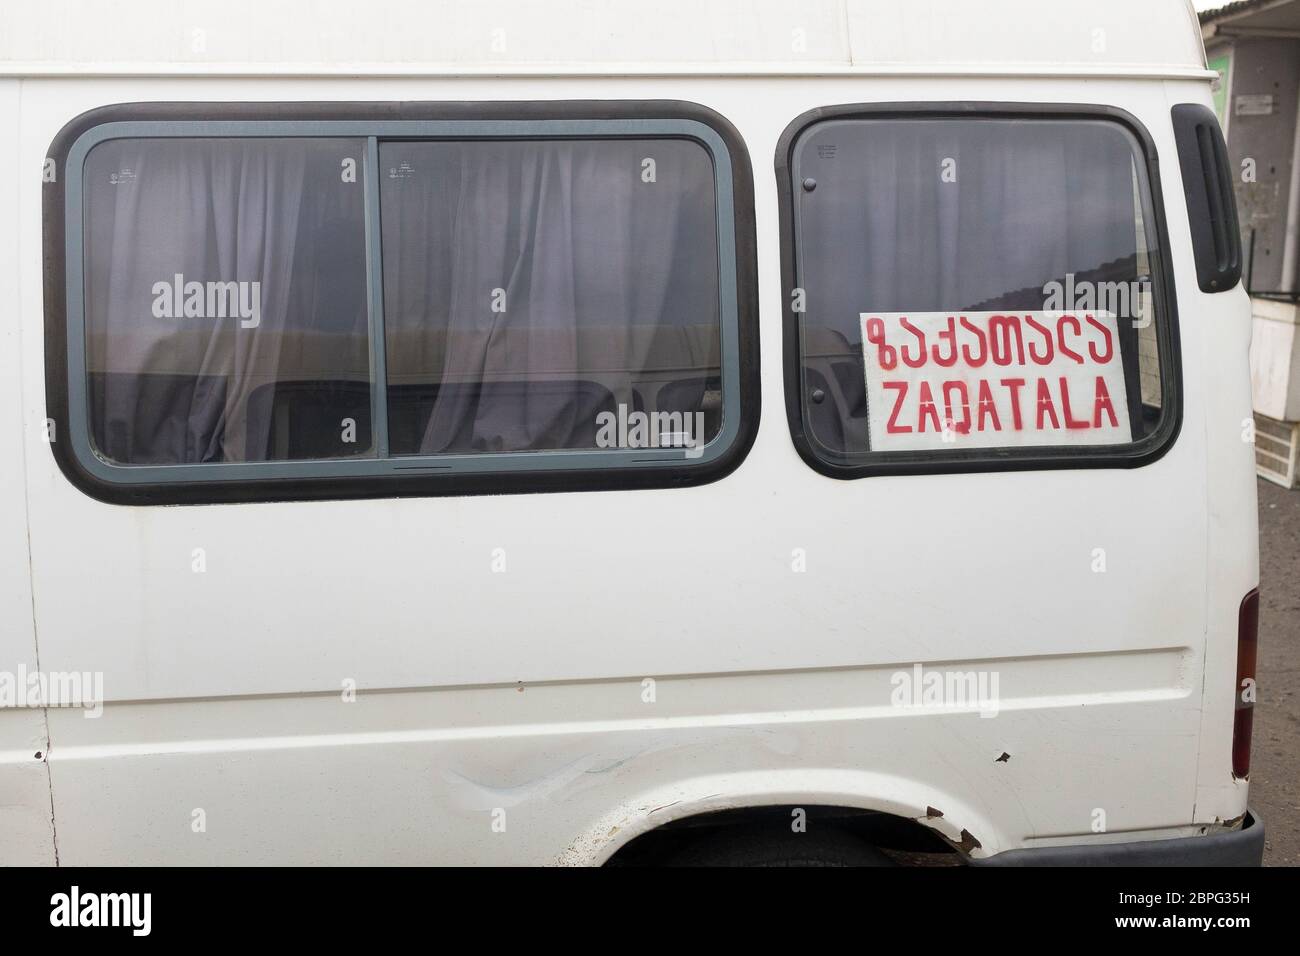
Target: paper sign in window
{"points": [[940, 380]]}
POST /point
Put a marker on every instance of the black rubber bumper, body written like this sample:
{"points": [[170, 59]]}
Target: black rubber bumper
{"points": [[1241, 847]]}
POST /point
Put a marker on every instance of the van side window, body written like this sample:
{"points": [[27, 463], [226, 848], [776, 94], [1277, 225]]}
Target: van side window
{"points": [[534, 289], [970, 291], [257, 306], [226, 300]]}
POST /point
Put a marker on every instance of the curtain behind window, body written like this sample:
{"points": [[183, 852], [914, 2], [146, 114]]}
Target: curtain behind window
{"points": [[1031, 201], [953, 215], [604, 279], [178, 389]]}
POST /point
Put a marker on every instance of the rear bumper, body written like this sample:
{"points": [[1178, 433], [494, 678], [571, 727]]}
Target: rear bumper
{"points": [[1240, 847]]}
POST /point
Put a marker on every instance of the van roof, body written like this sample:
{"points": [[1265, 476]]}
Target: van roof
{"points": [[602, 37]]}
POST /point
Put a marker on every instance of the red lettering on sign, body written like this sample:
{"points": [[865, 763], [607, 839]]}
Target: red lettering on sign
{"points": [[1008, 325], [1014, 385], [965, 349], [1070, 421], [1103, 401], [892, 427], [1045, 359], [920, 337], [1045, 406], [948, 335], [987, 407], [927, 402], [886, 355], [1060, 334], [1092, 346], [960, 427]]}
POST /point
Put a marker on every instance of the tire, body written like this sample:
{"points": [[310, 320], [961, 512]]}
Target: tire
{"points": [[777, 845]]}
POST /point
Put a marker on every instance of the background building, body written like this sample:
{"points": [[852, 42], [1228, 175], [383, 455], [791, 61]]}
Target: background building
{"points": [[1254, 45]]}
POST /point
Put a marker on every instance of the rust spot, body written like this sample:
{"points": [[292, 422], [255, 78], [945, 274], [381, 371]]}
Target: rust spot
{"points": [[932, 812], [520, 687], [968, 842], [1004, 758]]}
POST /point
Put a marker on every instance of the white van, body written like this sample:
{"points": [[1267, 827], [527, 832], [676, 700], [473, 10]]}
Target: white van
{"points": [[588, 433]]}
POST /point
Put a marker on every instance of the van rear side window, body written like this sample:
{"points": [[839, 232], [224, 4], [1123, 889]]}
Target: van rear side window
{"points": [[261, 306], [972, 291]]}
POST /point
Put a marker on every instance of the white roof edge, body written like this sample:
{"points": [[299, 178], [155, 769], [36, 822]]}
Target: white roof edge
{"points": [[600, 37], [612, 71]]}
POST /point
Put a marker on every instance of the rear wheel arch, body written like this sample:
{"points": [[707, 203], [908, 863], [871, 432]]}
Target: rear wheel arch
{"points": [[873, 802]]}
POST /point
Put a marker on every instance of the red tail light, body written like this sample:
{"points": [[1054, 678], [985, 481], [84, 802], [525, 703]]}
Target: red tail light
{"points": [[1247, 645]]}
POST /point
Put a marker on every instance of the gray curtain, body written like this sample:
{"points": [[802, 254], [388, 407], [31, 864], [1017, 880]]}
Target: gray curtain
{"points": [[606, 282], [607, 265], [201, 389]]}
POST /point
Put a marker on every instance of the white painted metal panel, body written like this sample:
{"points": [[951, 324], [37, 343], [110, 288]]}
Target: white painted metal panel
{"points": [[995, 35], [576, 36], [26, 835]]}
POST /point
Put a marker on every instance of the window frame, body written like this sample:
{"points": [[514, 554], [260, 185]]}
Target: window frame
{"points": [[1136, 454], [388, 476]]}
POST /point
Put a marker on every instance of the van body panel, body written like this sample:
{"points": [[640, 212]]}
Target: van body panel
{"points": [[26, 835], [515, 37], [1231, 505], [524, 691]]}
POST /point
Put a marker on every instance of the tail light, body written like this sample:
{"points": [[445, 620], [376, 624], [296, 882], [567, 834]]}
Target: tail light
{"points": [[1243, 720]]}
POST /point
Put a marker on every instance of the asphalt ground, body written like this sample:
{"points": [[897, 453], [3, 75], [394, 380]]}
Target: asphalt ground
{"points": [[1275, 759]]}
